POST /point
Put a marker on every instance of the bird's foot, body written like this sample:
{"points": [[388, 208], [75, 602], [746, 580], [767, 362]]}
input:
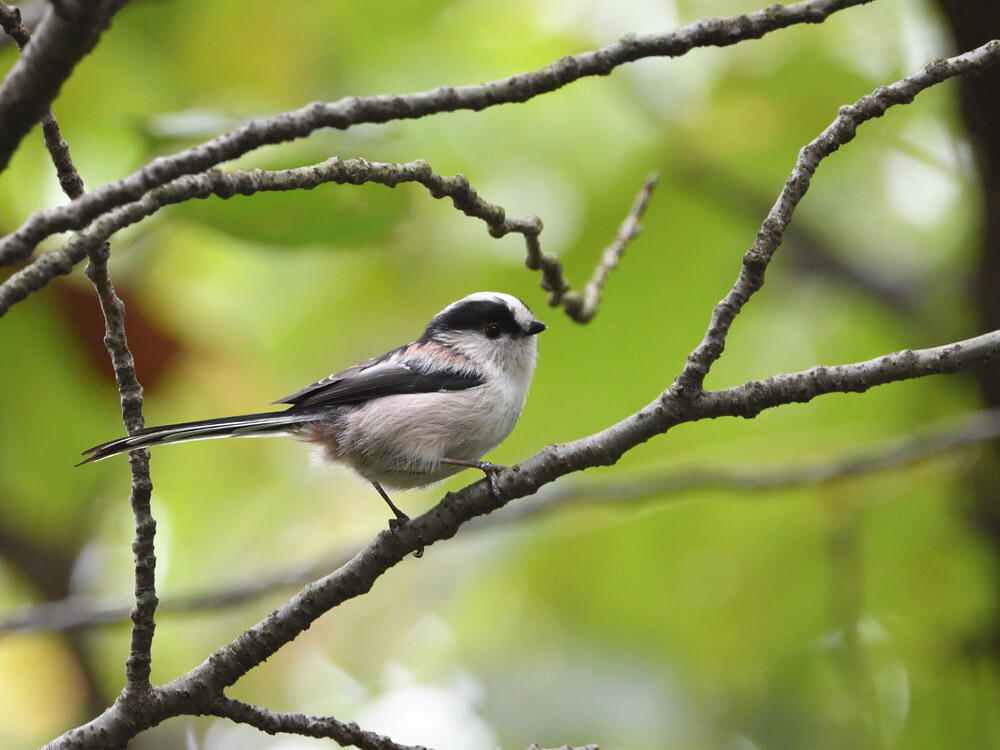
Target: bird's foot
{"points": [[491, 471], [399, 522]]}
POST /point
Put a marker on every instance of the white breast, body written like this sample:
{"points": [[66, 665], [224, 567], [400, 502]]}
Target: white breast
{"points": [[398, 441]]}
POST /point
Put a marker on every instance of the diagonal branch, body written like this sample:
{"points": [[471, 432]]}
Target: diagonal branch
{"points": [[206, 682], [582, 307], [601, 449], [685, 401], [343, 733], [968, 431], [67, 33], [841, 131], [354, 110]]}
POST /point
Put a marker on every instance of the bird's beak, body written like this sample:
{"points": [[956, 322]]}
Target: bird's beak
{"points": [[536, 326]]}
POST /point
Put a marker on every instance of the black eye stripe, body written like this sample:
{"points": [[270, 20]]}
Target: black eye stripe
{"points": [[476, 315]]}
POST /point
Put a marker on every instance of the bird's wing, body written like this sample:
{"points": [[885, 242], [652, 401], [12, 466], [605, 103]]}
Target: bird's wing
{"points": [[398, 372]]}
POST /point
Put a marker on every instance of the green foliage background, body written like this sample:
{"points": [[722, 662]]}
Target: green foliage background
{"points": [[821, 617]]}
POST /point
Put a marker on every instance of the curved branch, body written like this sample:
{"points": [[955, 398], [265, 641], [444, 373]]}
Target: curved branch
{"points": [[354, 110], [356, 171], [685, 401]]}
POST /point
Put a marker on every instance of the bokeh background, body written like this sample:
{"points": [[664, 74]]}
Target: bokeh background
{"points": [[855, 613]]}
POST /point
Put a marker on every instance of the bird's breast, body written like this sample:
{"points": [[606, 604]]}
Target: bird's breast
{"points": [[399, 440]]}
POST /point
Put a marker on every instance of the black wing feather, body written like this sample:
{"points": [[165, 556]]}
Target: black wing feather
{"points": [[380, 377]]}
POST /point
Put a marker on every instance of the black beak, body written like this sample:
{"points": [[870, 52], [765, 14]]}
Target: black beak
{"points": [[536, 326]]}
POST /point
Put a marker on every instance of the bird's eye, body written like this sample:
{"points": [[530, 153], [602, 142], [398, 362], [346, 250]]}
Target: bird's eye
{"points": [[493, 330]]}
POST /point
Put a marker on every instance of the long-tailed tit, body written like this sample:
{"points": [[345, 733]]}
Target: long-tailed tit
{"points": [[413, 416]]}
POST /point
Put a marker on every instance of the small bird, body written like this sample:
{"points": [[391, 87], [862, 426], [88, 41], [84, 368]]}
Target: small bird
{"points": [[409, 418]]}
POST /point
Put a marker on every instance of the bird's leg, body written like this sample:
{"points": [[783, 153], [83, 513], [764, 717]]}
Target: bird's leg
{"points": [[490, 470], [400, 519]]}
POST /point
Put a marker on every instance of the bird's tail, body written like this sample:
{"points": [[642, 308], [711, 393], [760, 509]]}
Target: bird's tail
{"points": [[245, 425]]}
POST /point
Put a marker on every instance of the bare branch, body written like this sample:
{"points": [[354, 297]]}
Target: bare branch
{"points": [[137, 667], [969, 431], [346, 734], [10, 21], [354, 110], [841, 131], [69, 30], [582, 307], [29, 15], [69, 178], [84, 611], [201, 690], [356, 171], [357, 577], [747, 400], [227, 665]]}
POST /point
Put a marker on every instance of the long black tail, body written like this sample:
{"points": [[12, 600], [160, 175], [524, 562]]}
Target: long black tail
{"points": [[245, 425]]}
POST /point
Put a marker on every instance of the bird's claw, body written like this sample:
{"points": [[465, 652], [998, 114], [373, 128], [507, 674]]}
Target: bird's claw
{"points": [[491, 471], [399, 522]]}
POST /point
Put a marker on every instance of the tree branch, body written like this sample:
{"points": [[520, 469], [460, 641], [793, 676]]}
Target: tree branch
{"points": [[354, 110], [356, 171], [841, 131], [273, 722], [29, 15], [685, 401], [137, 667], [582, 306], [69, 30], [206, 683], [968, 431]]}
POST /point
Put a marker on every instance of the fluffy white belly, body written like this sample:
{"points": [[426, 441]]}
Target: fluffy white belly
{"points": [[398, 441]]}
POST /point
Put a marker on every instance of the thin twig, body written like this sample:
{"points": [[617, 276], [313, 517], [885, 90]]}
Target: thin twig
{"points": [[137, 666], [84, 611], [683, 403], [30, 15], [10, 21], [273, 722], [582, 306]]}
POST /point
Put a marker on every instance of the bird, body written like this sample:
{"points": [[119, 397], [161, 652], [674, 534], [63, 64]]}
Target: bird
{"points": [[408, 418]]}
